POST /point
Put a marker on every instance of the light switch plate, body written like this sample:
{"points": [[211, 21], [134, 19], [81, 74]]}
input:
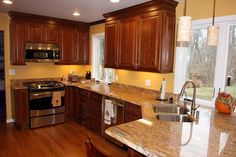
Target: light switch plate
{"points": [[147, 83], [12, 71], [116, 77]]}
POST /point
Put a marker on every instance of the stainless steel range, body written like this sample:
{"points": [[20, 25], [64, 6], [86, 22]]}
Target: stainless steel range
{"points": [[43, 111]]}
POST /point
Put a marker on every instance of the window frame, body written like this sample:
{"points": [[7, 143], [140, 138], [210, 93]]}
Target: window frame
{"points": [[224, 24]]}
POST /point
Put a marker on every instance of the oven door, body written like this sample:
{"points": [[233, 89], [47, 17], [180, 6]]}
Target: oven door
{"points": [[41, 104]]}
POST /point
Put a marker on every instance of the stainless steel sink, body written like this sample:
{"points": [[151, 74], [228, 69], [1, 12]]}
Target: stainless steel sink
{"points": [[174, 117], [170, 108]]}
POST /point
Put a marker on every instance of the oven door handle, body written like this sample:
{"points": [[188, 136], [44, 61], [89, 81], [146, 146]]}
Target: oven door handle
{"points": [[43, 95]]}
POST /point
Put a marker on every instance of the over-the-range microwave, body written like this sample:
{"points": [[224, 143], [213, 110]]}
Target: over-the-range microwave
{"points": [[36, 52]]}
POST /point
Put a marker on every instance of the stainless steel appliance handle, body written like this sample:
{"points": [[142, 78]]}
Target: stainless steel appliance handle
{"points": [[117, 104], [39, 95]]}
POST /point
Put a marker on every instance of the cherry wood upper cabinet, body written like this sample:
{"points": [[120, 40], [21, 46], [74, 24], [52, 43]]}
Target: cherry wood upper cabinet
{"points": [[111, 44], [34, 32], [71, 36], [42, 33], [127, 49], [17, 39], [146, 35], [82, 45], [150, 36], [68, 43], [51, 33]]}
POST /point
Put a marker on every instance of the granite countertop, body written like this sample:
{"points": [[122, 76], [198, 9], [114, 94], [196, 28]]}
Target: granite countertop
{"points": [[213, 135]]}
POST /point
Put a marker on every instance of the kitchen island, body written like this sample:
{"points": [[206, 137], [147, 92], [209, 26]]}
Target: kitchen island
{"points": [[213, 135]]}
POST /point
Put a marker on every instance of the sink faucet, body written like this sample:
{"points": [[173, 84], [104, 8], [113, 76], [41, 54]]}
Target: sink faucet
{"points": [[193, 106]]}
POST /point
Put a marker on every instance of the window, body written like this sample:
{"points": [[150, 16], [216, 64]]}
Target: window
{"points": [[213, 69], [98, 72]]}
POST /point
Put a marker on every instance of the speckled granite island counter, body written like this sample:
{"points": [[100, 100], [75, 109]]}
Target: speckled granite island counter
{"points": [[214, 135]]}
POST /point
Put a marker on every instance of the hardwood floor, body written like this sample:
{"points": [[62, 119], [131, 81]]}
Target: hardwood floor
{"points": [[64, 140]]}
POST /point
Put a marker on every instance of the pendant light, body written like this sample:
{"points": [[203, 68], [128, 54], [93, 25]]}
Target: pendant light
{"points": [[184, 28], [213, 31]]}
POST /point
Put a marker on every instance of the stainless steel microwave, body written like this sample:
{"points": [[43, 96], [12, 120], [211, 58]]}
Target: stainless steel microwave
{"points": [[36, 52]]}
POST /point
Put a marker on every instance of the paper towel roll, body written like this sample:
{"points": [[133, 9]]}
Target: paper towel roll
{"points": [[163, 89]]}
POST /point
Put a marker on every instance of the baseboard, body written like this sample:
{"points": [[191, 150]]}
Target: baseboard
{"points": [[10, 120]]}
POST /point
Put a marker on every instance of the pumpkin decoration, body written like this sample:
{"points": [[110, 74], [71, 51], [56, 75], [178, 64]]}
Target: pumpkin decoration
{"points": [[225, 103]]}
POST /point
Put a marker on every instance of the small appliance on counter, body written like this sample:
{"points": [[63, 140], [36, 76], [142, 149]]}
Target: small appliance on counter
{"points": [[73, 77]]}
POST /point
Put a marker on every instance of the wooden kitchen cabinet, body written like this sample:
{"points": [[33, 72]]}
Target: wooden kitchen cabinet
{"points": [[51, 33], [67, 45], [77, 103], [146, 35], [111, 44], [34, 32], [91, 110], [82, 45], [134, 153], [42, 33], [150, 32], [127, 49], [71, 36], [20, 107], [70, 109], [17, 39], [132, 112]]}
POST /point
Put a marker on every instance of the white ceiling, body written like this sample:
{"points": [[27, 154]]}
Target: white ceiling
{"points": [[90, 10]]}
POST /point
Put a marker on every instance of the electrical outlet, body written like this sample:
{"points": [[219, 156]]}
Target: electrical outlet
{"points": [[116, 78], [147, 83], [12, 71]]}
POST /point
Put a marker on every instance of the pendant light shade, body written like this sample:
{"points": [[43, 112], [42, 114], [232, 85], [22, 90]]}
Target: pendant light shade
{"points": [[213, 31], [184, 29], [212, 35]]}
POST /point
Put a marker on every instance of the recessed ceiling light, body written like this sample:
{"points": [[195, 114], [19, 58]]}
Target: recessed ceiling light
{"points": [[76, 14], [115, 1], [7, 1]]}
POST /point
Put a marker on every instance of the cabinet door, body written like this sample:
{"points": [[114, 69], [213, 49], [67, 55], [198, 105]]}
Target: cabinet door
{"points": [[77, 103], [82, 45], [51, 34], [111, 44], [69, 103], [132, 112], [168, 39], [127, 43], [68, 49], [150, 32], [20, 103], [17, 37], [34, 32]]}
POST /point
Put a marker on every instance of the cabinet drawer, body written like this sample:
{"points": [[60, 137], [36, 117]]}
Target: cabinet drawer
{"points": [[96, 97], [84, 93]]}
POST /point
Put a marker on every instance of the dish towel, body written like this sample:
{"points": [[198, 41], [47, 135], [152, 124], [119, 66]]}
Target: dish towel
{"points": [[56, 99], [109, 112]]}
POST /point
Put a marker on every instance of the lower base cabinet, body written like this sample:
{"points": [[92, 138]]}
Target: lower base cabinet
{"points": [[91, 110], [134, 153], [20, 107], [132, 112]]}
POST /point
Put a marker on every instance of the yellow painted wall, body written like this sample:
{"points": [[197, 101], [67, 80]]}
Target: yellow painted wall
{"points": [[32, 70]]}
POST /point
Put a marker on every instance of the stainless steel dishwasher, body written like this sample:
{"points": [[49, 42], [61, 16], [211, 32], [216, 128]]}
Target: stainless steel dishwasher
{"points": [[118, 107]]}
